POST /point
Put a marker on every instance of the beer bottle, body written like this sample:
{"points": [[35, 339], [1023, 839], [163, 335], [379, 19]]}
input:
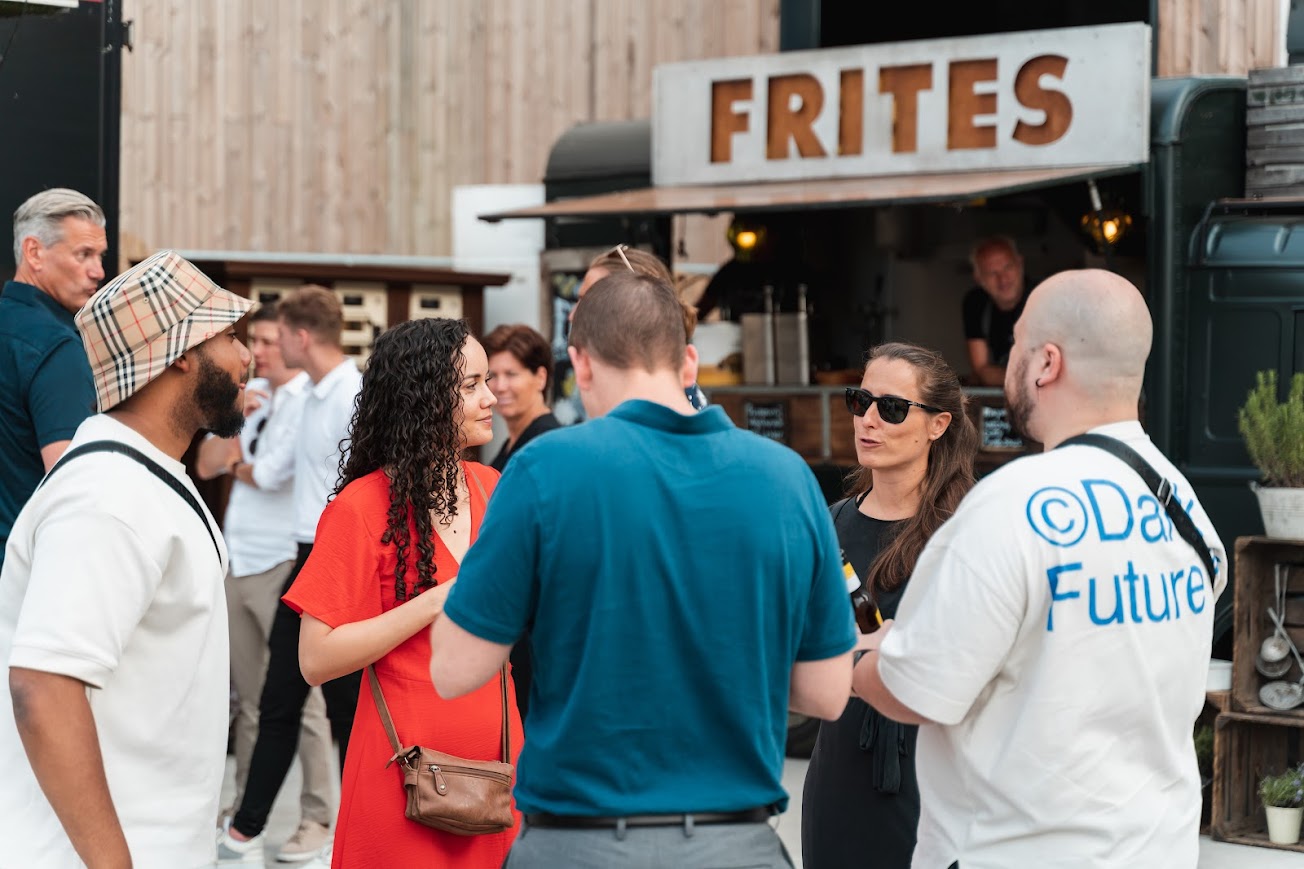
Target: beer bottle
{"points": [[868, 618]]}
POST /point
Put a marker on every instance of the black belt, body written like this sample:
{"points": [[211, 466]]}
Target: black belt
{"points": [[582, 822]]}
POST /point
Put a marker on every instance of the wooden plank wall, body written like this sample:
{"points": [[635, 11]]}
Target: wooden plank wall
{"points": [[1196, 37], [343, 125]]}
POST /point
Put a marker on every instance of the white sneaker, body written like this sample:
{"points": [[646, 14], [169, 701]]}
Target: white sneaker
{"points": [[306, 843], [323, 859], [233, 852]]}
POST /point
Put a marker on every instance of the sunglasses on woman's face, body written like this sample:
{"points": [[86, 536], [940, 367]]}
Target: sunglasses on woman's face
{"points": [[890, 408]]}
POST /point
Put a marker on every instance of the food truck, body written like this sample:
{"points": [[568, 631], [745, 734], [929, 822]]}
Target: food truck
{"points": [[858, 179]]}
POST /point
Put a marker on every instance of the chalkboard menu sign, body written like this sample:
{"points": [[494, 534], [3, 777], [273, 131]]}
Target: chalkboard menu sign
{"points": [[769, 419], [995, 430]]}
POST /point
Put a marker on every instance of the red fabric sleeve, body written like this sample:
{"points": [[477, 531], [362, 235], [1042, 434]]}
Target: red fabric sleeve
{"points": [[341, 583]]}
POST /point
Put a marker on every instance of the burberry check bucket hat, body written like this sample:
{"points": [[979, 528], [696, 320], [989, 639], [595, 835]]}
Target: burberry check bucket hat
{"points": [[142, 320]]}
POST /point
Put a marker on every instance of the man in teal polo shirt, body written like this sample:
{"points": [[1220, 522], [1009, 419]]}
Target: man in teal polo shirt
{"points": [[674, 620], [46, 389]]}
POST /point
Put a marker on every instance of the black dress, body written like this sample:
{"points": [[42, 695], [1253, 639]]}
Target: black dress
{"points": [[547, 422], [860, 803], [522, 656]]}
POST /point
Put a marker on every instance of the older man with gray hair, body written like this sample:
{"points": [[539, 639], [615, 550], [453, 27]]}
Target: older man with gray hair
{"points": [[1053, 640], [45, 381]]}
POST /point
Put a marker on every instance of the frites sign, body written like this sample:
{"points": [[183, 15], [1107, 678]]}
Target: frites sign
{"points": [[1071, 97]]}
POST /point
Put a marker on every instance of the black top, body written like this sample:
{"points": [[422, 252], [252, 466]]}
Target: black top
{"points": [[860, 804], [522, 655], [547, 422], [983, 320]]}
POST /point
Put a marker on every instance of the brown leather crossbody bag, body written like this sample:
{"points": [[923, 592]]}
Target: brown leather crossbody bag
{"points": [[449, 793]]}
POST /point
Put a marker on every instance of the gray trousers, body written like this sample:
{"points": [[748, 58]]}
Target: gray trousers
{"points": [[250, 603], [709, 846]]}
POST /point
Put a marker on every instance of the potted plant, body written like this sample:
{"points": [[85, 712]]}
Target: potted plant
{"points": [[1274, 435], [1283, 802]]}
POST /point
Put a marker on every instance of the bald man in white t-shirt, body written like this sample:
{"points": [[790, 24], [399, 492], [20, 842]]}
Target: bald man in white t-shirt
{"points": [[1053, 640]]}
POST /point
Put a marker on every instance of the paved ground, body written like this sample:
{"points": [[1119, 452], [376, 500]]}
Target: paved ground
{"points": [[1213, 855]]}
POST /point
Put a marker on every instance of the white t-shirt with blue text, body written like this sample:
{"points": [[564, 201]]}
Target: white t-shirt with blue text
{"points": [[1057, 629]]}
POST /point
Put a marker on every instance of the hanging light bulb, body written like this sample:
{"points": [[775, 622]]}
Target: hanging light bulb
{"points": [[745, 237], [1106, 227]]}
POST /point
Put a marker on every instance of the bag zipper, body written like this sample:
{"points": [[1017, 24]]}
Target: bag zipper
{"points": [[442, 786]]}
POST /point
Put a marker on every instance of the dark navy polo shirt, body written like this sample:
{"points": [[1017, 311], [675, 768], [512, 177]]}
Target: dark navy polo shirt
{"points": [[45, 391]]}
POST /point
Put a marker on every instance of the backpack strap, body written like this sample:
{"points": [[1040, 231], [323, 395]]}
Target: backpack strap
{"points": [[150, 465], [1161, 487]]}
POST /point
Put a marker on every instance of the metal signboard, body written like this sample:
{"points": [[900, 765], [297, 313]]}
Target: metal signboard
{"points": [[1046, 98]]}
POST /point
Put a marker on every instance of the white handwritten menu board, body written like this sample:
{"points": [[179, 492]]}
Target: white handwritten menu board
{"points": [[769, 419], [995, 431]]}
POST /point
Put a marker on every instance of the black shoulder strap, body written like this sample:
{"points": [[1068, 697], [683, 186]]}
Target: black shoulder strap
{"points": [[1161, 487], [150, 465]]}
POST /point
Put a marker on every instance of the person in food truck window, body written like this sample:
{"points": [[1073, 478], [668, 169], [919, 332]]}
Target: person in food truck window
{"points": [[991, 308]]}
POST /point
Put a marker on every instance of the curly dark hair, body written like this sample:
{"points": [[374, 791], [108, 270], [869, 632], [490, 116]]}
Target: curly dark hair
{"points": [[408, 422]]}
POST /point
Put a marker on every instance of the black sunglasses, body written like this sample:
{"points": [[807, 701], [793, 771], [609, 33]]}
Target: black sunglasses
{"points": [[890, 408]]}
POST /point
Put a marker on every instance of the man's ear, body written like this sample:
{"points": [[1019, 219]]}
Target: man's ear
{"points": [[583, 367], [688, 372], [32, 250], [185, 362], [1051, 364]]}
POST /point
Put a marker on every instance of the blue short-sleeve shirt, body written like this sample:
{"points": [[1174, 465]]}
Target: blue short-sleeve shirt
{"points": [[694, 564], [46, 391]]}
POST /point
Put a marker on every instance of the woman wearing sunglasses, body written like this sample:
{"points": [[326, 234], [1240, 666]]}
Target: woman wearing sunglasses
{"points": [[915, 446]]}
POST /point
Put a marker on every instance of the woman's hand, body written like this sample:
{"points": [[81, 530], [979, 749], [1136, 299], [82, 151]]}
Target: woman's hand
{"points": [[327, 653], [437, 597]]}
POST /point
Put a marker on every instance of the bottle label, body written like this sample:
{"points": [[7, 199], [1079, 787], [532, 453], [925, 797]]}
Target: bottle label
{"points": [[849, 574]]}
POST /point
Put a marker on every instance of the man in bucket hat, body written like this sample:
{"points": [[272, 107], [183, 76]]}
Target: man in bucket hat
{"points": [[112, 613]]}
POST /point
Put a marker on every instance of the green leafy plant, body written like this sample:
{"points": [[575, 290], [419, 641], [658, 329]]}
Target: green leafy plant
{"points": [[1284, 791], [1274, 430]]}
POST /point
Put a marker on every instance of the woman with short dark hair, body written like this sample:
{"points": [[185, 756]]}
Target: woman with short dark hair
{"points": [[520, 365]]}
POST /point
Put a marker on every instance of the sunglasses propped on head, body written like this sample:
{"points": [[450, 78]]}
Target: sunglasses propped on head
{"points": [[891, 409]]}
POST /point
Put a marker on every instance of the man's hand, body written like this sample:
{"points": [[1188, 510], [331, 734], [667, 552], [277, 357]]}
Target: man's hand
{"points": [[253, 399], [58, 733]]}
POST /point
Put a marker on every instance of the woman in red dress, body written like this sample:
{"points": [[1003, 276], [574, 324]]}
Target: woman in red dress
{"points": [[388, 548]]}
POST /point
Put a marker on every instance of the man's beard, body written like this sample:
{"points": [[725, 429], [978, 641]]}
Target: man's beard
{"points": [[217, 397], [1018, 407]]}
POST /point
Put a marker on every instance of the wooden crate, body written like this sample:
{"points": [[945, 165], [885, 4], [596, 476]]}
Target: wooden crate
{"points": [[1247, 747], [1256, 558], [1274, 118]]}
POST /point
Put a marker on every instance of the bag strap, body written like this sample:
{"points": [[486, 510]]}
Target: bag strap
{"points": [[383, 708], [1161, 487], [150, 465]]}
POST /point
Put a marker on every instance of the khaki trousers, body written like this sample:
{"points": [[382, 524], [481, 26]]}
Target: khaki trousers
{"points": [[251, 603]]}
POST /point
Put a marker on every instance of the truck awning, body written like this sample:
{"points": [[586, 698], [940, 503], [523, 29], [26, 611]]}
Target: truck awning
{"points": [[822, 193]]}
